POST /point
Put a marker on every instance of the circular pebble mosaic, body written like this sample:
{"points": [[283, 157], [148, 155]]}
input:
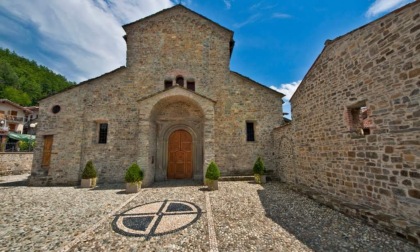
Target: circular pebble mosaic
{"points": [[156, 218]]}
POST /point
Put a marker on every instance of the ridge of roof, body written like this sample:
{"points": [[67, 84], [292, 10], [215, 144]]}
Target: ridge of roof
{"points": [[15, 105], [329, 42], [257, 83], [173, 87], [175, 7], [84, 82]]}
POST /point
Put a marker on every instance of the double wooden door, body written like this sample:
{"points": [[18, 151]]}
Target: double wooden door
{"points": [[180, 155]]}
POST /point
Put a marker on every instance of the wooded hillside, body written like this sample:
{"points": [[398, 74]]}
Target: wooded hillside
{"points": [[25, 82]]}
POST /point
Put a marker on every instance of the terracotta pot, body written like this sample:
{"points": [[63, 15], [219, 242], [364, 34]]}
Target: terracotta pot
{"points": [[133, 187]]}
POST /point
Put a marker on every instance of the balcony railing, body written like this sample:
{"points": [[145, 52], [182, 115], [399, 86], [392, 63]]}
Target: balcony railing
{"points": [[12, 118], [17, 147]]}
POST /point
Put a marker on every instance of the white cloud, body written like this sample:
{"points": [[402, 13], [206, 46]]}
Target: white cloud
{"points": [[228, 3], [380, 6], [86, 33], [250, 20], [288, 89], [281, 15]]}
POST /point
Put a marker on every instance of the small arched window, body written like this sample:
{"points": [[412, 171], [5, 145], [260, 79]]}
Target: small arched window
{"points": [[180, 81]]}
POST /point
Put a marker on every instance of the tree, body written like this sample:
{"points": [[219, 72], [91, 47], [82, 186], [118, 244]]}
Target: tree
{"points": [[25, 82]]}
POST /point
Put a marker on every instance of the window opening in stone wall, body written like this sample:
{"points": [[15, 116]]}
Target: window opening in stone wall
{"points": [[191, 85], [103, 133], [56, 109], [358, 119], [168, 84], [180, 81], [250, 133]]}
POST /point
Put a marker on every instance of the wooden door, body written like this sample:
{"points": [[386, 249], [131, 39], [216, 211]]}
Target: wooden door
{"points": [[180, 155], [46, 155]]}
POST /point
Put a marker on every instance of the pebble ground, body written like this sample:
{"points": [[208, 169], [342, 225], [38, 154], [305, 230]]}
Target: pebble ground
{"points": [[241, 216]]}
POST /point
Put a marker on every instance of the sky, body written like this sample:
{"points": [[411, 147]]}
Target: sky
{"points": [[276, 41]]}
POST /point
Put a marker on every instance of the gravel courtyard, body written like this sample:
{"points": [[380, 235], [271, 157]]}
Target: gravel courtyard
{"points": [[177, 216]]}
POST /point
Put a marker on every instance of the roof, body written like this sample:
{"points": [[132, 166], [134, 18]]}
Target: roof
{"points": [[84, 82], [330, 42], [180, 6], [15, 105], [33, 108], [259, 84], [173, 87]]}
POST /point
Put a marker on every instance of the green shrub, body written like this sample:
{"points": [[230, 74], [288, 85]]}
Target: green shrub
{"points": [[26, 146], [89, 171], [134, 174], [259, 167], [213, 172]]}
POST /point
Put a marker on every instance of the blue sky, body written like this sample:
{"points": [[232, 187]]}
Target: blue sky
{"points": [[276, 41]]}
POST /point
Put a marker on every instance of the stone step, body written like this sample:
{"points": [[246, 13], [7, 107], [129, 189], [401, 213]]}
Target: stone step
{"points": [[236, 178]]}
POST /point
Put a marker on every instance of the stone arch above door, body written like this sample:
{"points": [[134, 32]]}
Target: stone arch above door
{"points": [[158, 117]]}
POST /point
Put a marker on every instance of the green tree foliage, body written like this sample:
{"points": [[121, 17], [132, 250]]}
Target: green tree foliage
{"points": [[259, 167], [213, 172], [17, 96], [89, 171], [26, 146], [134, 174], [25, 82]]}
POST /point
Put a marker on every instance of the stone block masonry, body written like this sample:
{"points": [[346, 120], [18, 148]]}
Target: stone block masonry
{"points": [[356, 124], [15, 163]]}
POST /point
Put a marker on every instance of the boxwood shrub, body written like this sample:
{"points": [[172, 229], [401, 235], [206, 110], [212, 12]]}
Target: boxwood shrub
{"points": [[213, 172], [259, 167], [134, 174], [89, 171]]}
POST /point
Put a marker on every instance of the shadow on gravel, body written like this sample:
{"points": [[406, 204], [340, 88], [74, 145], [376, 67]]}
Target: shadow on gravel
{"points": [[321, 228], [176, 183], [113, 186], [14, 180], [14, 183]]}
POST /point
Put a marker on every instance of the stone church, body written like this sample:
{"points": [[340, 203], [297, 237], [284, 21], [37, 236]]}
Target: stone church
{"points": [[175, 107], [353, 143]]}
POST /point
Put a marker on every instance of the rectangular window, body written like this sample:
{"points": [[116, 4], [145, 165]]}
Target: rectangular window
{"points": [[358, 118], [103, 133], [250, 136], [168, 84], [191, 85]]}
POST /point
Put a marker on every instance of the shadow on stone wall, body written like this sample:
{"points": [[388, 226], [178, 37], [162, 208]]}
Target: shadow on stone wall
{"points": [[317, 226]]}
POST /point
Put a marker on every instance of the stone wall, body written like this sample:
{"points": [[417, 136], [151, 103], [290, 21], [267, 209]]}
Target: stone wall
{"points": [[242, 101], [285, 154], [15, 163], [356, 122]]}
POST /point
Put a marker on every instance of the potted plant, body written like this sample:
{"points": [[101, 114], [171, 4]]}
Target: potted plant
{"points": [[88, 176], [133, 178], [212, 176], [259, 171]]}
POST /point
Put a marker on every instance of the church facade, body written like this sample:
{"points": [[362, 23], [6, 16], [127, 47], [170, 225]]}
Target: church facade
{"points": [[173, 109]]}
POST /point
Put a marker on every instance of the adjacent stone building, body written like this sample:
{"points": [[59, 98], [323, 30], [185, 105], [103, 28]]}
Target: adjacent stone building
{"points": [[173, 109], [354, 141]]}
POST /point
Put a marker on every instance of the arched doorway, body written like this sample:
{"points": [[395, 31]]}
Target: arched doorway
{"points": [[180, 158]]}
